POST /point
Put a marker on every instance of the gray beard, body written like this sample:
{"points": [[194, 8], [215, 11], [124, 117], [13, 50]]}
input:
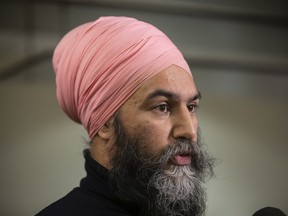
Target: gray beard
{"points": [[158, 189], [180, 192]]}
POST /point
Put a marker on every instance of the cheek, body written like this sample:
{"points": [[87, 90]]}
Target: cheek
{"points": [[195, 123], [152, 138]]}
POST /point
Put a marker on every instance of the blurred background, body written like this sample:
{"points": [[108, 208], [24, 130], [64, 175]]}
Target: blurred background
{"points": [[238, 52]]}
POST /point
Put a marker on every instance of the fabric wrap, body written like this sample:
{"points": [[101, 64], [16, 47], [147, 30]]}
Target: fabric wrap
{"points": [[100, 64]]}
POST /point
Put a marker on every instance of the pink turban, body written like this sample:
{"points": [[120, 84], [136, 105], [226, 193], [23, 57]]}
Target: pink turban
{"points": [[100, 64]]}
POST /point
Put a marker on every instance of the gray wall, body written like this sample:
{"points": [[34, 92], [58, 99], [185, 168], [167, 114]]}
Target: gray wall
{"points": [[240, 66]]}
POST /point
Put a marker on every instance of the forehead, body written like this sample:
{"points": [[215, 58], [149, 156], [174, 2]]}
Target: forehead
{"points": [[173, 79]]}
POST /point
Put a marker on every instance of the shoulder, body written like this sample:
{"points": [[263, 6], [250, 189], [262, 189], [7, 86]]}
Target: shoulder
{"points": [[82, 203]]}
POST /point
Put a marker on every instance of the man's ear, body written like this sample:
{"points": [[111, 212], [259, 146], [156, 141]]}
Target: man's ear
{"points": [[107, 130]]}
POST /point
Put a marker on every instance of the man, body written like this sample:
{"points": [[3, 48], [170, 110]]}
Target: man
{"points": [[132, 90]]}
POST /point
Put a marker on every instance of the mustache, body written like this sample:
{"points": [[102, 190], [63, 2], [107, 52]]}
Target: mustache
{"points": [[201, 161], [178, 147]]}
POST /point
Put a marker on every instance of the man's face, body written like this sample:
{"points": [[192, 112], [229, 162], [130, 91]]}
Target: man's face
{"points": [[158, 162], [162, 111]]}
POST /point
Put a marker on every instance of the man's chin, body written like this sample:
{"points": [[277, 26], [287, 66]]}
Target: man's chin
{"points": [[177, 172], [178, 190]]}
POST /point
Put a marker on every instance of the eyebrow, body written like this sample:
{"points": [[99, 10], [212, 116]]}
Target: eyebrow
{"points": [[171, 95]]}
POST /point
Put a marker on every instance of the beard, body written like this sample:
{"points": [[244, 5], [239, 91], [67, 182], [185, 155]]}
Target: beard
{"points": [[151, 183]]}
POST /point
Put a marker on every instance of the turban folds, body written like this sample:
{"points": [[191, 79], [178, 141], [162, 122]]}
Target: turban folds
{"points": [[100, 64]]}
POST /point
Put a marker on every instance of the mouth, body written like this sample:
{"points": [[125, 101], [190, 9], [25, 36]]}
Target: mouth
{"points": [[181, 159]]}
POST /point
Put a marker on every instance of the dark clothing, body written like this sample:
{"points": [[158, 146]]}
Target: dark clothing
{"points": [[93, 197]]}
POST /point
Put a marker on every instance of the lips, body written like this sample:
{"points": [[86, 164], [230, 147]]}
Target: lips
{"points": [[181, 159]]}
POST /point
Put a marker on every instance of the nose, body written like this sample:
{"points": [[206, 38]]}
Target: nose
{"points": [[185, 125]]}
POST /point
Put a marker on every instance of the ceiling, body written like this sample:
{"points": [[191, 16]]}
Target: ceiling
{"points": [[236, 35]]}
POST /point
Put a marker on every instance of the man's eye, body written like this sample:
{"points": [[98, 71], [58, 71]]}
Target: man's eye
{"points": [[192, 107], [163, 108]]}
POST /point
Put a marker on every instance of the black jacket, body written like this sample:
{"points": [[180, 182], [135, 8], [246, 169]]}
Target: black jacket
{"points": [[92, 197]]}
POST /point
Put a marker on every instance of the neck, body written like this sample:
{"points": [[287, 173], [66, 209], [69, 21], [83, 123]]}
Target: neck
{"points": [[101, 151]]}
